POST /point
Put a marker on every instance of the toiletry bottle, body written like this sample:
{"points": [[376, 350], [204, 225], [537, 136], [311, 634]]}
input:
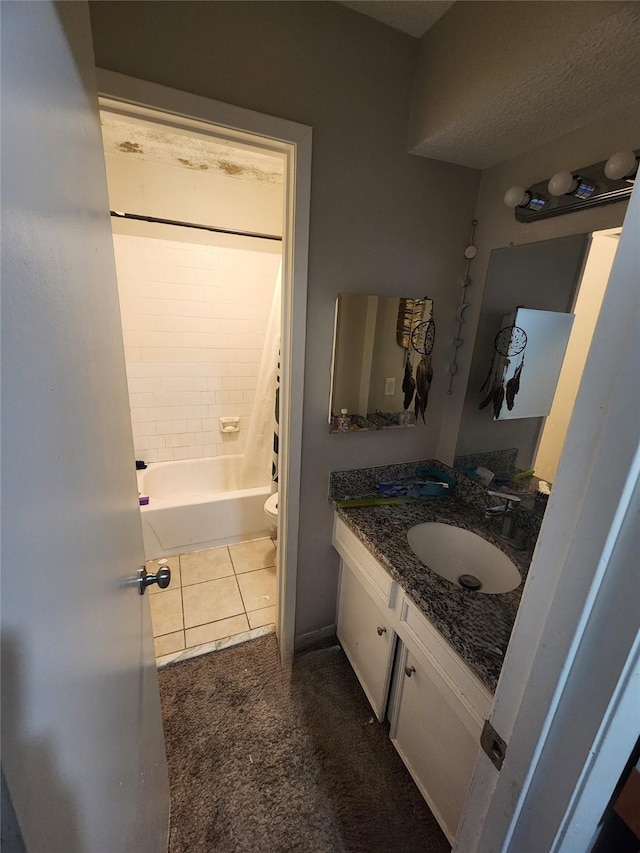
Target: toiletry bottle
{"points": [[344, 421]]}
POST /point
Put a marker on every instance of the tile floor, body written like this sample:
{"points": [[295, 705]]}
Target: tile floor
{"points": [[214, 595]]}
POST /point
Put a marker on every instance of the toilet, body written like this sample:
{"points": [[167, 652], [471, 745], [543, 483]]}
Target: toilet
{"points": [[271, 511]]}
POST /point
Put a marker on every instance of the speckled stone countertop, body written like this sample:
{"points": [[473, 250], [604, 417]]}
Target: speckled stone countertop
{"points": [[476, 625]]}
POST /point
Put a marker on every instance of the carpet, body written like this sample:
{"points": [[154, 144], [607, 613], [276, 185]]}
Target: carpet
{"points": [[263, 764]]}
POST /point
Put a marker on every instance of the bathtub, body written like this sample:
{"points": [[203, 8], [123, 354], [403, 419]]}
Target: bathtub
{"points": [[196, 504]]}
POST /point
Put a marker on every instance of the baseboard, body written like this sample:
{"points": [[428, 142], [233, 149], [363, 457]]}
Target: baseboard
{"points": [[306, 641]]}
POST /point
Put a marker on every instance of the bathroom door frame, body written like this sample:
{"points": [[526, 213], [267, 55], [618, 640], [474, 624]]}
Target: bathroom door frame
{"points": [[141, 99]]}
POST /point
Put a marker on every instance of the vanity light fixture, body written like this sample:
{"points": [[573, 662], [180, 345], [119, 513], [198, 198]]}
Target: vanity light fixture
{"points": [[566, 191]]}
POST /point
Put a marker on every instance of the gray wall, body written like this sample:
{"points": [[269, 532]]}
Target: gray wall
{"points": [[382, 221], [498, 227]]}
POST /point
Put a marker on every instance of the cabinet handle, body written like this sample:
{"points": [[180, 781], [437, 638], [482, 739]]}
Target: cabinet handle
{"points": [[381, 631], [409, 670]]}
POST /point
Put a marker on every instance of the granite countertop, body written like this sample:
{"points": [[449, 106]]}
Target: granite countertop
{"points": [[476, 625]]}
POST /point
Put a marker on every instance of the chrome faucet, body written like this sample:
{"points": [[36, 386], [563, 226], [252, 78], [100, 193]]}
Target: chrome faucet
{"points": [[507, 510]]}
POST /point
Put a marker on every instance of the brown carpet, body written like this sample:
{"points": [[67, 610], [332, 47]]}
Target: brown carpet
{"points": [[263, 765]]}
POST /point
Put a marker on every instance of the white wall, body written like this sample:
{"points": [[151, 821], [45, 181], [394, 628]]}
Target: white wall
{"points": [[194, 319]]}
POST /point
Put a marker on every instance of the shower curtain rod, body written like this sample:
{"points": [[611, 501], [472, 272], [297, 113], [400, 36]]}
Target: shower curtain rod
{"points": [[156, 220]]}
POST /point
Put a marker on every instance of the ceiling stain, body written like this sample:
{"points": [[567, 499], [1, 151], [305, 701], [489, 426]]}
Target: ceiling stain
{"points": [[197, 152], [230, 168], [191, 165], [130, 147]]}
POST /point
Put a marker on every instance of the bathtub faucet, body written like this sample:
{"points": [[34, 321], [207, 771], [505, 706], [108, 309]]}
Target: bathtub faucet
{"points": [[507, 510]]}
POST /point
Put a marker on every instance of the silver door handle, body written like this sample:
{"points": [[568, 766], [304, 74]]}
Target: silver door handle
{"points": [[162, 578]]}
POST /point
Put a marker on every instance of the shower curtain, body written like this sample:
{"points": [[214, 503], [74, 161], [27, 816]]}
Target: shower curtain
{"points": [[257, 461]]}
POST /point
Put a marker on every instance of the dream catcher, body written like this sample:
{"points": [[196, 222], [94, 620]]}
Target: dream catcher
{"points": [[416, 389], [509, 343]]}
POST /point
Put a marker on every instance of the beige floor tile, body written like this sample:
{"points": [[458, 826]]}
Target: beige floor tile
{"points": [[249, 556], [216, 630], [169, 643], [166, 612], [174, 565], [258, 588], [265, 616], [211, 601], [199, 566]]}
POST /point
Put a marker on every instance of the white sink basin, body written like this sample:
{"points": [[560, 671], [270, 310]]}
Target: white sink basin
{"points": [[463, 558]]}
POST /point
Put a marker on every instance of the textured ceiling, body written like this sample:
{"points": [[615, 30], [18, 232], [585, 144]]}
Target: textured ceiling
{"points": [[595, 75], [414, 17], [134, 138]]}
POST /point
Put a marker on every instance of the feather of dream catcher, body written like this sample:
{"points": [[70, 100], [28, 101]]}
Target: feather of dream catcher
{"points": [[510, 342], [422, 340], [410, 313]]}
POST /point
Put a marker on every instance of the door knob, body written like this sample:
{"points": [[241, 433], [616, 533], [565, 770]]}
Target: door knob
{"points": [[409, 670], [162, 578], [381, 631]]}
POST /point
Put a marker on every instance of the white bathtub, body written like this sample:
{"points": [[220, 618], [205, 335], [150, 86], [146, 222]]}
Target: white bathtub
{"points": [[196, 504]]}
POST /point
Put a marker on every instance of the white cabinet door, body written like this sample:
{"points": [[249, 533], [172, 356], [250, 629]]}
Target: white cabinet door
{"points": [[368, 639], [436, 737]]}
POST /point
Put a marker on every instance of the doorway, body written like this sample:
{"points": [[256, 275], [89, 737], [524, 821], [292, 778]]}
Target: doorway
{"points": [[197, 232], [267, 138]]}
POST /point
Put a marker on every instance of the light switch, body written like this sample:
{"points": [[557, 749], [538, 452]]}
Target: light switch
{"points": [[390, 386]]}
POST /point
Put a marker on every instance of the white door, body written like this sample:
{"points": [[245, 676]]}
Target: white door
{"points": [[82, 744], [572, 663]]}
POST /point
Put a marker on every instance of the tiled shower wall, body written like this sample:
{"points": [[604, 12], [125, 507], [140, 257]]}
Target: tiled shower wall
{"points": [[194, 319]]}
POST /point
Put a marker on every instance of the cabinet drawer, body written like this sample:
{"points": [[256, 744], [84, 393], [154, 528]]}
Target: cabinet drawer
{"points": [[371, 574], [367, 638], [419, 633]]}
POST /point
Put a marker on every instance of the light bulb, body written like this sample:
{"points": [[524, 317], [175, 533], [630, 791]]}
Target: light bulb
{"points": [[622, 164], [526, 199], [562, 183], [515, 197]]}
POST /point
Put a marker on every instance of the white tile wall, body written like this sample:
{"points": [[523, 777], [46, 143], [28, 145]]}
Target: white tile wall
{"points": [[194, 320]]}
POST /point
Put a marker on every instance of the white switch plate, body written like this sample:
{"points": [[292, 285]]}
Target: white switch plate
{"points": [[390, 386]]}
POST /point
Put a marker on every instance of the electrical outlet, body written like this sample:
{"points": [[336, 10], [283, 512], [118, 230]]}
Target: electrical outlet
{"points": [[390, 386]]}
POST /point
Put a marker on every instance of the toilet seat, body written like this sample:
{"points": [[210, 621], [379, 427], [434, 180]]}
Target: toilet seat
{"points": [[271, 508]]}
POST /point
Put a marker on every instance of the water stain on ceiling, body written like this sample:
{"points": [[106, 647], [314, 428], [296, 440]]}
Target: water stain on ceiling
{"points": [[123, 137]]}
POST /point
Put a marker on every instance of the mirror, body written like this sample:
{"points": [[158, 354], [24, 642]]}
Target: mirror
{"points": [[564, 276], [381, 372]]}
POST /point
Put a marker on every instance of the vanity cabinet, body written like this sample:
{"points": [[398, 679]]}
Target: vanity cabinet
{"points": [[436, 705]]}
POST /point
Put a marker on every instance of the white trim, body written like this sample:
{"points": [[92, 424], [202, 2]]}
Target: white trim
{"points": [[130, 96]]}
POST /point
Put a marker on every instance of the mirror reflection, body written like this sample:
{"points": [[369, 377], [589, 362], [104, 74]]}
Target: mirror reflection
{"points": [[381, 362], [541, 338], [548, 281]]}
